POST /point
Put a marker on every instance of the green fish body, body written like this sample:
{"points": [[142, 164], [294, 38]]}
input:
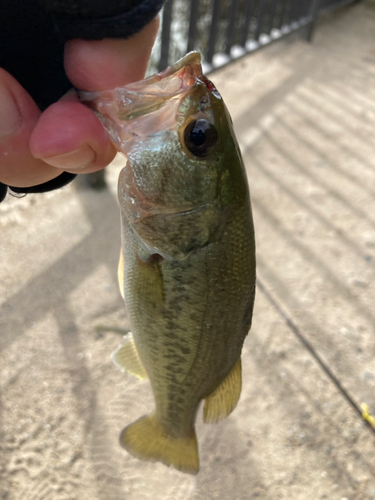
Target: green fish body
{"points": [[187, 269]]}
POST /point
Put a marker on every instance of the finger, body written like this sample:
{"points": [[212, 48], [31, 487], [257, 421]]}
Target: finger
{"points": [[69, 136], [18, 116], [109, 63]]}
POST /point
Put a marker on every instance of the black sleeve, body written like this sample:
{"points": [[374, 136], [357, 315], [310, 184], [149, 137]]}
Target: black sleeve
{"points": [[95, 19], [32, 38]]}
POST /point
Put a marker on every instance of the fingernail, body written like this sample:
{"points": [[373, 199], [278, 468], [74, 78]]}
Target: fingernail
{"points": [[10, 118], [77, 159]]}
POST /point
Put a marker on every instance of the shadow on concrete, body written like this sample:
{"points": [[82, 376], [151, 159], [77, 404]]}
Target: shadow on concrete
{"points": [[51, 290]]}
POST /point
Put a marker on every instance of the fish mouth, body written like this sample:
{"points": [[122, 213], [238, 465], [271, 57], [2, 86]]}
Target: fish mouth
{"points": [[134, 99], [146, 107], [173, 80]]}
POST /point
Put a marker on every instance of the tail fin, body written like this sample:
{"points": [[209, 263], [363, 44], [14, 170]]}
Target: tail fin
{"points": [[147, 440]]}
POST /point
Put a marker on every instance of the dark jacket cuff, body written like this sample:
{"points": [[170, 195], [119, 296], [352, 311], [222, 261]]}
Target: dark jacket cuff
{"points": [[56, 183], [123, 25]]}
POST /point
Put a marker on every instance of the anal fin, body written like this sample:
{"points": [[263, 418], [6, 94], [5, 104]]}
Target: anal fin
{"points": [[223, 400], [126, 357]]}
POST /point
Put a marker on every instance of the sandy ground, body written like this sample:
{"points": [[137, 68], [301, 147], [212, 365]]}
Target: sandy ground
{"points": [[305, 118]]}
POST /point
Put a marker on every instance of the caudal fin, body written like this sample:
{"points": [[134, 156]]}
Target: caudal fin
{"points": [[146, 439]]}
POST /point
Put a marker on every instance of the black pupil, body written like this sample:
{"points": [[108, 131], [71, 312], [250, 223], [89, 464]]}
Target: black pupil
{"points": [[197, 136], [200, 137]]}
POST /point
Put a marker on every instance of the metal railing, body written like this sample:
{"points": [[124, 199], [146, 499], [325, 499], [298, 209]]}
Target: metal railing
{"points": [[224, 30]]}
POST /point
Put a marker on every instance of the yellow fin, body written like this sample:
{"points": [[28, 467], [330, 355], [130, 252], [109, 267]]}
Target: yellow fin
{"points": [[223, 400], [147, 440], [126, 357], [120, 274]]}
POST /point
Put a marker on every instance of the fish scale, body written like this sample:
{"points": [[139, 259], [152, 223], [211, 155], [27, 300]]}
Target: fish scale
{"points": [[187, 269]]}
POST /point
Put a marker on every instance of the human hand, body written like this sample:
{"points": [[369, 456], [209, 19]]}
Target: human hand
{"points": [[36, 147]]}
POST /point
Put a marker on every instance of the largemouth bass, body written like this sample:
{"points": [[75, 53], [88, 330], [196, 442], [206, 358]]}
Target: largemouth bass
{"points": [[187, 268]]}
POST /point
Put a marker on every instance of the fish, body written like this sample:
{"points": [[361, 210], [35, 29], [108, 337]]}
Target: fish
{"points": [[187, 266]]}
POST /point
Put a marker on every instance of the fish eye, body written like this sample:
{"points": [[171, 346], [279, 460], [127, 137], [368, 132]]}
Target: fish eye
{"points": [[200, 137]]}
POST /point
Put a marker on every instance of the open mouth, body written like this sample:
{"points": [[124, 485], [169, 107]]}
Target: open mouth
{"points": [[145, 108]]}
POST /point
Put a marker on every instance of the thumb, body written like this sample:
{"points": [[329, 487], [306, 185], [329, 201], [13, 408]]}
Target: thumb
{"points": [[109, 63]]}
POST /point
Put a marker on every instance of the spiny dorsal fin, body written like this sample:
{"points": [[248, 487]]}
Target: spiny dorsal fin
{"points": [[223, 400], [126, 357]]}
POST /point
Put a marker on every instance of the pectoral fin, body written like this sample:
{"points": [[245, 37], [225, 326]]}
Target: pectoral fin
{"points": [[223, 400], [126, 357]]}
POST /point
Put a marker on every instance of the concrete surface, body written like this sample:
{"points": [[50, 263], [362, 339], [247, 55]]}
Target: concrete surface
{"points": [[305, 116]]}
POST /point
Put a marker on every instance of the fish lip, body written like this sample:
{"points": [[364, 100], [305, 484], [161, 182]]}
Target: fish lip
{"points": [[191, 60], [189, 66], [150, 94], [132, 113]]}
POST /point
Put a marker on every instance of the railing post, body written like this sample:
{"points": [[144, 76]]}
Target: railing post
{"points": [[271, 20], [193, 24], [233, 8], [216, 6], [313, 14], [249, 11], [282, 14], [258, 31], [165, 35]]}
